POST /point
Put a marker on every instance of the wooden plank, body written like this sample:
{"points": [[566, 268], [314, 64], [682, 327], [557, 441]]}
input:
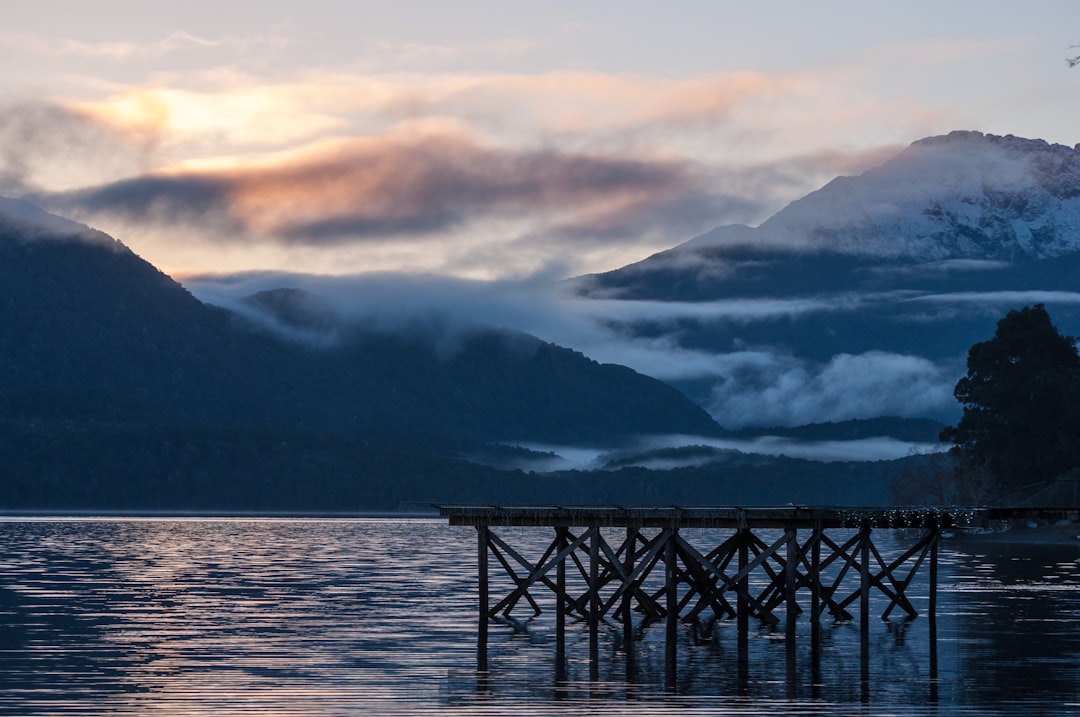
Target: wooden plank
{"points": [[736, 517]]}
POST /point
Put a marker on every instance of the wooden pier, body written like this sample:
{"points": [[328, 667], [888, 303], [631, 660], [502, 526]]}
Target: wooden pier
{"points": [[629, 568]]}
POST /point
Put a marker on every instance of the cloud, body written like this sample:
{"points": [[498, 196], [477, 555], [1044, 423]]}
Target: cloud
{"points": [[408, 54], [408, 185], [751, 387], [761, 388], [123, 51], [881, 448], [46, 145], [392, 301], [194, 200], [997, 299], [29, 223], [480, 175], [585, 103], [739, 311], [181, 40], [546, 458], [222, 118], [937, 268], [793, 172], [562, 106], [535, 306], [420, 198], [715, 118]]}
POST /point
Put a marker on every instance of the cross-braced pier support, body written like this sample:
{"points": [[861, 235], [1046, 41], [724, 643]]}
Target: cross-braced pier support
{"points": [[630, 569]]}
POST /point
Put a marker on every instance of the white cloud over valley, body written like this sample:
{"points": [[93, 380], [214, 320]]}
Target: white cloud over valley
{"points": [[759, 386]]}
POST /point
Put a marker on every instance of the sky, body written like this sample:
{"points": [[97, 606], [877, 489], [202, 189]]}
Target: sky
{"points": [[490, 140], [462, 157]]}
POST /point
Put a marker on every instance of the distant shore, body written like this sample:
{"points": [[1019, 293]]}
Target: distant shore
{"points": [[1041, 535], [90, 514]]}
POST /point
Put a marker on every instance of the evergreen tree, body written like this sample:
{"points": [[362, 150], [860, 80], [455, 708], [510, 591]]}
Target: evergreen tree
{"points": [[1021, 399]]}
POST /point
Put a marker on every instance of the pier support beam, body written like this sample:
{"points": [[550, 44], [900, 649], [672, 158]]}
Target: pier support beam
{"points": [[560, 607], [815, 610], [671, 579], [791, 608], [482, 579], [932, 616], [864, 612], [627, 608], [742, 612]]}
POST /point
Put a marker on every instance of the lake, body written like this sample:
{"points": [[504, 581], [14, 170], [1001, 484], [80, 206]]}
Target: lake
{"points": [[270, 616]]}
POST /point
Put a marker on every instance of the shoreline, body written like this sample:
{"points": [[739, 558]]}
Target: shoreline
{"points": [[1041, 535]]}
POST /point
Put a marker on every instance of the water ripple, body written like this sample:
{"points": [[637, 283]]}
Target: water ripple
{"points": [[376, 616]]}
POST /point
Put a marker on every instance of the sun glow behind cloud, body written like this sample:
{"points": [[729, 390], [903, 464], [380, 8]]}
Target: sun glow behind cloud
{"points": [[492, 174]]}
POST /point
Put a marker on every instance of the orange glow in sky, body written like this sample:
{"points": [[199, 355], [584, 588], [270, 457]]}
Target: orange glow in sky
{"points": [[347, 137]]}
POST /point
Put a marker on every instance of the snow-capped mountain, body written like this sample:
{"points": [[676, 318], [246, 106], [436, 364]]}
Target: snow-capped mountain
{"points": [[862, 298], [963, 195]]}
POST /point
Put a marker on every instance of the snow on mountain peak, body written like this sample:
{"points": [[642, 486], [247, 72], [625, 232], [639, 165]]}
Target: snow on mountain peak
{"points": [[961, 195]]}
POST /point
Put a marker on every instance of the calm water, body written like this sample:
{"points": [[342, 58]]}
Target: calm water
{"points": [[358, 617]]}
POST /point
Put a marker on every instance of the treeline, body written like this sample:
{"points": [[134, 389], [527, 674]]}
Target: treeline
{"points": [[80, 467]]}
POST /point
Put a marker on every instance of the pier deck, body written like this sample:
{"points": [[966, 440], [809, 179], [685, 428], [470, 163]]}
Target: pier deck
{"points": [[945, 518]]}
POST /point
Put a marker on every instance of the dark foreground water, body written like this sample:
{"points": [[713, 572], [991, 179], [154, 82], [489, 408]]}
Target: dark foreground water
{"points": [[362, 617]]}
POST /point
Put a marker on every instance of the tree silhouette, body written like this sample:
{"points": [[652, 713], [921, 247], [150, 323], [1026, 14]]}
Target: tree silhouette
{"points": [[1021, 399]]}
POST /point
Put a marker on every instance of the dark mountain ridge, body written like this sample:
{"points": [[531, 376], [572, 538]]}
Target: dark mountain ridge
{"points": [[94, 333]]}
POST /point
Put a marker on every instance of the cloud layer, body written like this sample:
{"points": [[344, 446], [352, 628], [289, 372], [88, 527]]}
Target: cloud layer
{"points": [[404, 186], [481, 144], [760, 386], [482, 175], [786, 391]]}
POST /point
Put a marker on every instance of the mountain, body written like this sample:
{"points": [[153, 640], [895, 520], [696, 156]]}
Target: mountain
{"points": [[944, 201], [93, 330], [964, 195], [891, 275], [97, 342]]}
